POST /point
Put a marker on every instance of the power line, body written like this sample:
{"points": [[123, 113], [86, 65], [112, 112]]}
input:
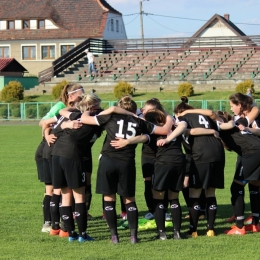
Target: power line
{"points": [[194, 19], [167, 27], [132, 20]]}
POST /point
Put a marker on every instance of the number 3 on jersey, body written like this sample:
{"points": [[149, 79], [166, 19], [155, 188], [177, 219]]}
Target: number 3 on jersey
{"points": [[203, 121], [130, 128]]}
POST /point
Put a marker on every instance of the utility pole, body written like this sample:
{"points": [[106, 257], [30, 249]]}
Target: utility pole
{"points": [[141, 21]]}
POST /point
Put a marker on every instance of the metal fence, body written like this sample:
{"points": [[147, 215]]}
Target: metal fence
{"points": [[36, 110]]}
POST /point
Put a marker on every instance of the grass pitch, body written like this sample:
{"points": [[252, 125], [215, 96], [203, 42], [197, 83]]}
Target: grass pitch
{"points": [[21, 215]]}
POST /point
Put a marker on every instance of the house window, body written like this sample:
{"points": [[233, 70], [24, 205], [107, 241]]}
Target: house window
{"points": [[112, 24], [41, 24], [26, 24], [10, 25], [29, 52], [117, 25], [65, 48], [48, 52], [4, 52]]}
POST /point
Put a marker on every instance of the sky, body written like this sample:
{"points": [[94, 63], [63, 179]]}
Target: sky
{"points": [[186, 16]]}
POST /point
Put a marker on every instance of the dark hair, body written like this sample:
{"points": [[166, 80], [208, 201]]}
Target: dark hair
{"points": [[155, 102], [183, 106], [127, 103], [224, 115], [156, 117], [184, 99], [245, 101]]}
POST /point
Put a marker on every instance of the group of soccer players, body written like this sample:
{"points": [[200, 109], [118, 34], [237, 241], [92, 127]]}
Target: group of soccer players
{"points": [[69, 132]]}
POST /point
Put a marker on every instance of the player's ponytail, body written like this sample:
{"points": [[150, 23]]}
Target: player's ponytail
{"points": [[127, 103]]}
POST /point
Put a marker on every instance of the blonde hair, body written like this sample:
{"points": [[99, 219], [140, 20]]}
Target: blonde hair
{"points": [[127, 103], [88, 102]]}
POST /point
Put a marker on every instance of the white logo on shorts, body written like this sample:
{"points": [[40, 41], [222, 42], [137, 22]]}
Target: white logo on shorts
{"points": [[174, 206], [197, 207], [161, 206], [213, 207]]}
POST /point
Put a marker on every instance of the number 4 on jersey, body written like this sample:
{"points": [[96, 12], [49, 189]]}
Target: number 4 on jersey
{"points": [[203, 121]]}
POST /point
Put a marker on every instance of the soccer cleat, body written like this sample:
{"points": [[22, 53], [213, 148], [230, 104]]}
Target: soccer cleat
{"points": [[46, 228], [54, 232], [63, 233], [134, 240], [85, 238], [73, 237], [211, 233], [231, 219], [190, 234], [114, 239], [248, 220], [149, 216], [253, 228], [235, 231], [160, 236], [176, 235], [123, 215], [167, 217]]}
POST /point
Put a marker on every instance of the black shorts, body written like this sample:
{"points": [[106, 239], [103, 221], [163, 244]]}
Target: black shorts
{"points": [[207, 175], [67, 173], [87, 164], [168, 176], [148, 166], [40, 171], [239, 176], [47, 171], [251, 167], [116, 176], [188, 158]]}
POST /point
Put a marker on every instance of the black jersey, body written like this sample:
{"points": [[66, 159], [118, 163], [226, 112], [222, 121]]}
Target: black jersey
{"points": [[57, 131], [241, 142], [39, 150], [150, 149], [73, 143], [122, 126], [205, 148], [171, 152]]}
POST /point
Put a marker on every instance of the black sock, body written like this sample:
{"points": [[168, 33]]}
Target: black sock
{"points": [[81, 217], [203, 202], [88, 196], [159, 215], [254, 202], [176, 214], [67, 217], [110, 212], [237, 199], [194, 209], [165, 201], [123, 209], [46, 209], [185, 192], [211, 211], [55, 211], [148, 195], [132, 217]]}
